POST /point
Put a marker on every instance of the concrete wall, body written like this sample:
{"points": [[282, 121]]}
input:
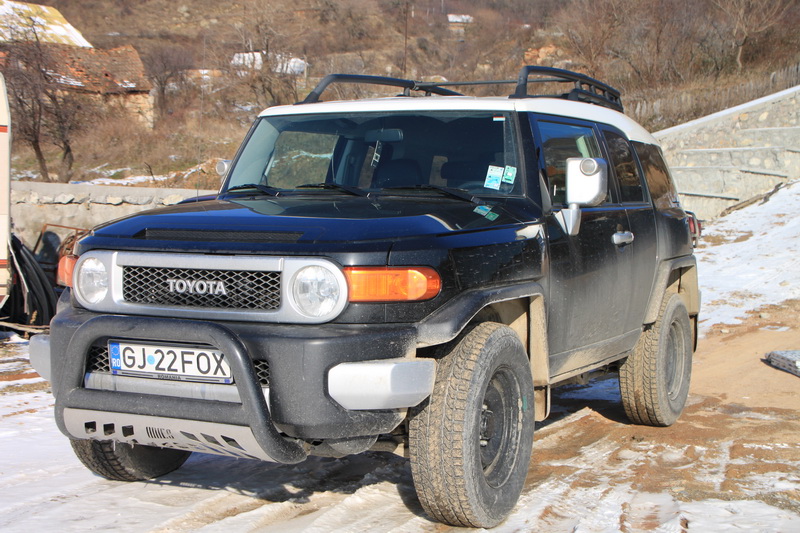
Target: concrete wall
{"points": [[34, 204]]}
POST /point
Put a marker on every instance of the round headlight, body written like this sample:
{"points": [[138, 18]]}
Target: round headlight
{"points": [[316, 291], [92, 280]]}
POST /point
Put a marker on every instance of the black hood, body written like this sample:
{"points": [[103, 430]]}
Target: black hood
{"points": [[262, 223]]}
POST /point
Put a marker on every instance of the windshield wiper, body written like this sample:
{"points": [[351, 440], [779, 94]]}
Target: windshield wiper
{"points": [[337, 186], [265, 189], [459, 194]]}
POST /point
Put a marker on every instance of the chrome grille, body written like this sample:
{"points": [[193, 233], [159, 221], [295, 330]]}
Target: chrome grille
{"points": [[244, 289]]}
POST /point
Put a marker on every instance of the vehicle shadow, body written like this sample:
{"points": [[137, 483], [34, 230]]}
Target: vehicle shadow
{"points": [[601, 395], [299, 483]]}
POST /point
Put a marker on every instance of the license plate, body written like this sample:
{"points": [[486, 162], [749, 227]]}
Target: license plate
{"points": [[180, 363]]}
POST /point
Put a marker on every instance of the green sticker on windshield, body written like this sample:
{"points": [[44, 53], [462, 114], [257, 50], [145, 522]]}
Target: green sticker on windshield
{"points": [[509, 175]]}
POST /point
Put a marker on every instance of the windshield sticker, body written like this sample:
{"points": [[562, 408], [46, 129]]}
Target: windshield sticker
{"points": [[494, 177], [509, 175], [485, 211], [376, 157], [499, 118]]}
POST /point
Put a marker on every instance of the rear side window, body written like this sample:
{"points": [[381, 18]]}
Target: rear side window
{"points": [[560, 142], [662, 190], [621, 155]]}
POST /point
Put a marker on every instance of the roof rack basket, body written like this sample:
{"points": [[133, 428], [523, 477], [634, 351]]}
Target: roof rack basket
{"points": [[406, 85], [585, 89]]}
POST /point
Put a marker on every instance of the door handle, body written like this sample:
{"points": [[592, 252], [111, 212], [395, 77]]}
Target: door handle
{"points": [[621, 238]]}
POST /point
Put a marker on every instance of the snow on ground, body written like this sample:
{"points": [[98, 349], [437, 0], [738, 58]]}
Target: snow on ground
{"points": [[750, 258], [107, 178], [758, 262]]}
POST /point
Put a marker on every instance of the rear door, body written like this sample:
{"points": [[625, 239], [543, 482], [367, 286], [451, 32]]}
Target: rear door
{"points": [[639, 255]]}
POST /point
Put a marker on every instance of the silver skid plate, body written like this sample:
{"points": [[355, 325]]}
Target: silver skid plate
{"points": [[191, 435]]}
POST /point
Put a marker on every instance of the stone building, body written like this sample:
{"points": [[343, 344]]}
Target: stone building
{"points": [[113, 77]]}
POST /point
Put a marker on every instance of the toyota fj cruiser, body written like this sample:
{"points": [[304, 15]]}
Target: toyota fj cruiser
{"points": [[410, 274]]}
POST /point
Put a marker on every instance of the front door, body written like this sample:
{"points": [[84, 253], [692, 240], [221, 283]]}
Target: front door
{"points": [[587, 305]]}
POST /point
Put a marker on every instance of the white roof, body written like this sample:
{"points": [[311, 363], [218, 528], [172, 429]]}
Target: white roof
{"points": [[21, 21], [546, 106]]}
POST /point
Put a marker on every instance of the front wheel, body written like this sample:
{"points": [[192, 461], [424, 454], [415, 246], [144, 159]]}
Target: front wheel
{"points": [[125, 462], [654, 379], [470, 442]]}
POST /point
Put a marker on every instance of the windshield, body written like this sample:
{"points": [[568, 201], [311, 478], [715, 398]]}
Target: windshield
{"points": [[390, 153]]}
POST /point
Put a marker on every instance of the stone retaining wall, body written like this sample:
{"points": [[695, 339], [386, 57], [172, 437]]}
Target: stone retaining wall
{"points": [[727, 158], [34, 204]]}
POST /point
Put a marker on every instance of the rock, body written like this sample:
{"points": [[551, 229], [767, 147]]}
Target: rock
{"points": [[172, 199], [107, 200], [138, 200], [18, 197], [64, 199]]}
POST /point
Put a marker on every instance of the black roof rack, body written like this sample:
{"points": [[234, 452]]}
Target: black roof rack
{"points": [[585, 89], [406, 85]]}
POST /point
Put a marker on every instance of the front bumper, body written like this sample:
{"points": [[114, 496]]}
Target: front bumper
{"points": [[326, 382]]}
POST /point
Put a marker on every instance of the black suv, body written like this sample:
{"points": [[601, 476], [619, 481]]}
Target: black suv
{"points": [[409, 274]]}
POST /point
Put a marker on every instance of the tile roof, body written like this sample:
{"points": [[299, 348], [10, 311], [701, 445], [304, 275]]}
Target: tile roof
{"points": [[116, 71]]}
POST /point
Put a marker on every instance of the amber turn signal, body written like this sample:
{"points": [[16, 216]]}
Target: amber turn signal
{"points": [[392, 284], [66, 266]]}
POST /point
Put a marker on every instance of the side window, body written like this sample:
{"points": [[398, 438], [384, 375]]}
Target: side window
{"points": [[560, 142], [621, 155], [662, 190]]}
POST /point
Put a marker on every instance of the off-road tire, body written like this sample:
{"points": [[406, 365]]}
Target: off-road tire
{"points": [[124, 462], [654, 379], [470, 442]]}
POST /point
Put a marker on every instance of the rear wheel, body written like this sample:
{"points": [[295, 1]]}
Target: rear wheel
{"points": [[654, 379], [126, 462], [470, 442]]}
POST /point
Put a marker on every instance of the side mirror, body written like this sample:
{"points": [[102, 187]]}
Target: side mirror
{"points": [[587, 186], [222, 166]]}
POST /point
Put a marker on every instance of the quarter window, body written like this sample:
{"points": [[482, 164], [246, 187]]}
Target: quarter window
{"points": [[661, 187]]}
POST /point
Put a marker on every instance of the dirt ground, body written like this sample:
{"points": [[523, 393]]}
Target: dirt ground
{"points": [[738, 439], [730, 463]]}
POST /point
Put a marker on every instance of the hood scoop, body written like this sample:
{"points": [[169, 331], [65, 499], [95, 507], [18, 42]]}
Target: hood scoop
{"points": [[198, 235]]}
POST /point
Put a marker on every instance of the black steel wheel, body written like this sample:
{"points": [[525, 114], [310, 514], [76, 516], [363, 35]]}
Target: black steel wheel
{"points": [[470, 442], [654, 379]]}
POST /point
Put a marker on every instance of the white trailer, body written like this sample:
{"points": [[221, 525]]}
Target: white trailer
{"points": [[5, 192]]}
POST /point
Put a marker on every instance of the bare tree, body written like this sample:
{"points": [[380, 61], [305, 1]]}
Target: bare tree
{"points": [[265, 69], [749, 18], [43, 102], [589, 27], [657, 40], [166, 66]]}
